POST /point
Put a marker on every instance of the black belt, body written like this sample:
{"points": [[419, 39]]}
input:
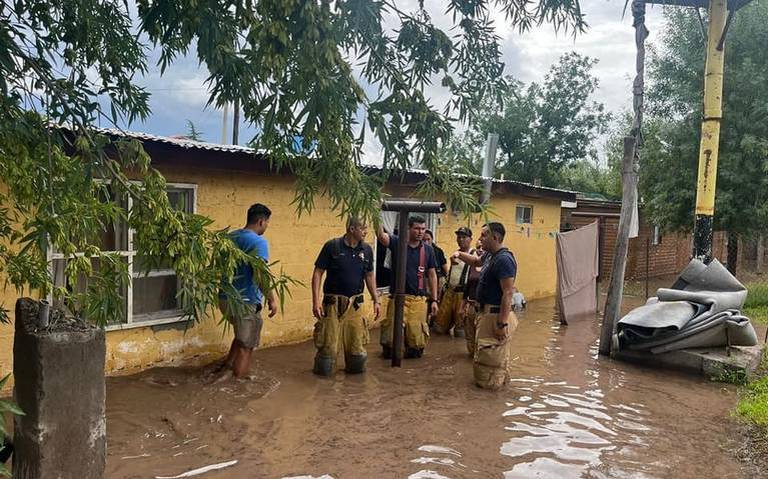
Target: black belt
{"points": [[343, 302]]}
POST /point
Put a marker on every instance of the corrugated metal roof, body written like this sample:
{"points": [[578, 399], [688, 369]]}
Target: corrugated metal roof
{"points": [[201, 145], [181, 142]]}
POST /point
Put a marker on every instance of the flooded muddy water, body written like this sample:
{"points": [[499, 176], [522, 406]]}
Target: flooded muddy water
{"points": [[567, 413]]}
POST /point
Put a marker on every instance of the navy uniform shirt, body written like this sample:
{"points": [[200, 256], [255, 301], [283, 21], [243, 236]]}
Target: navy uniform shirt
{"points": [[346, 266], [496, 267], [412, 266]]}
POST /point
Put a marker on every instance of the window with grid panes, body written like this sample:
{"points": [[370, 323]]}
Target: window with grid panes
{"points": [[151, 296]]}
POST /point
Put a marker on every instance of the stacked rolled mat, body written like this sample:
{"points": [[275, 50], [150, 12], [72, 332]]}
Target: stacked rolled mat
{"points": [[701, 310]]}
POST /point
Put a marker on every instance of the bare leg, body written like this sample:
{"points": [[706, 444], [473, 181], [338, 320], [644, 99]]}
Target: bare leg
{"points": [[230, 361], [242, 363]]}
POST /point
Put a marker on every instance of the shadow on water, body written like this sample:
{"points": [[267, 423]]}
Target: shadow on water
{"points": [[566, 413]]}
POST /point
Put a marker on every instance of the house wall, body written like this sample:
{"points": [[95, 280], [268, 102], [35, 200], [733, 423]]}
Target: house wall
{"points": [[225, 195]]}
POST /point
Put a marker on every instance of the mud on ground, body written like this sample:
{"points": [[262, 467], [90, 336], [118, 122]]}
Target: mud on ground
{"points": [[566, 413]]}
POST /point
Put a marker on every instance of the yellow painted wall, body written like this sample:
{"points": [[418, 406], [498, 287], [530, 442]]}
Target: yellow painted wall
{"points": [[533, 245], [225, 197]]}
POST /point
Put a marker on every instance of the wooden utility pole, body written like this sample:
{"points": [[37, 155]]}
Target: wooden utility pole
{"points": [[629, 176]]}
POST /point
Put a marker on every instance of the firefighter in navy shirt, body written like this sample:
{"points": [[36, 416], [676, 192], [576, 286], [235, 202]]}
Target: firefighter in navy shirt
{"points": [[495, 321], [420, 289], [341, 324]]}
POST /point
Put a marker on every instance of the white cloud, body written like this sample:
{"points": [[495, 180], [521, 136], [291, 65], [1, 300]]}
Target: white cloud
{"points": [[180, 93]]}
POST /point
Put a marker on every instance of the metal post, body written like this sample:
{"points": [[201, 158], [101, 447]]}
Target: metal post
{"points": [[405, 208], [236, 122], [710, 132], [402, 258]]}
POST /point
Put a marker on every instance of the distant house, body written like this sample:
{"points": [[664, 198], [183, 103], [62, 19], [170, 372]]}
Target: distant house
{"points": [[221, 182], [666, 253]]}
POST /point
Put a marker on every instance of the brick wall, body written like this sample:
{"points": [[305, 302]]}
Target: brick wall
{"points": [[668, 257]]}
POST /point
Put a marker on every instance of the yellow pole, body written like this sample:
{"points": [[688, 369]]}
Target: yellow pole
{"points": [[710, 132]]}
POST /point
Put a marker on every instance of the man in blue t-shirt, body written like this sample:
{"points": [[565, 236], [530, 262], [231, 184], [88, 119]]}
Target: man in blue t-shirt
{"points": [[248, 322], [495, 320], [420, 289]]}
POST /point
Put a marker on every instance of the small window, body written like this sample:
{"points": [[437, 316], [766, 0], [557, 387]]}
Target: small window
{"points": [[656, 238], [524, 214]]}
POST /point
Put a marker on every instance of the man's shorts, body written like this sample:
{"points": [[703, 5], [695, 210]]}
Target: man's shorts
{"points": [[247, 327]]}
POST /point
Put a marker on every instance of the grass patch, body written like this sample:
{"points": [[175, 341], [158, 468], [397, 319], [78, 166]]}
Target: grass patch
{"points": [[757, 295], [753, 402], [757, 314], [753, 405]]}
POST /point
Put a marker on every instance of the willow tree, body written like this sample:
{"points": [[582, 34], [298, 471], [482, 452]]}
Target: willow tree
{"points": [[328, 72]]}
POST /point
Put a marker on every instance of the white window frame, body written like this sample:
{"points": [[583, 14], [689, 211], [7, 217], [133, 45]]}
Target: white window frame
{"points": [[130, 253], [530, 207]]}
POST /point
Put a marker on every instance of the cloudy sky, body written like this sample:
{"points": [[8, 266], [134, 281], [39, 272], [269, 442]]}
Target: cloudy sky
{"points": [[180, 94]]}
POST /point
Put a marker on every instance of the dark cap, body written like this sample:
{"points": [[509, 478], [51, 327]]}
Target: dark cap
{"points": [[464, 231]]}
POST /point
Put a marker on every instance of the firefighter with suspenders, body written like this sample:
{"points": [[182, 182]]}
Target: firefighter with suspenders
{"points": [[420, 289]]}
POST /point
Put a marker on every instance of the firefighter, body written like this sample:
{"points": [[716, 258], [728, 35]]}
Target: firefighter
{"points": [[341, 324], [420, 289], [449, 315], [496, 321]]}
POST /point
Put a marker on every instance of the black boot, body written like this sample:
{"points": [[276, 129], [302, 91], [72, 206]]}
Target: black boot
{"points": [[386, 351], [413, 353], [355, 363], [323, 366]]}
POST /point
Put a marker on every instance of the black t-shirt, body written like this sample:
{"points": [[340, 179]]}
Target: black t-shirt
{"points": [[412, 266], [346, 266], [498, 266], [440, 260]]}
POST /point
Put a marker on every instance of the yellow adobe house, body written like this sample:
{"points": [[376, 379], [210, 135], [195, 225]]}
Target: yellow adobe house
{"points": [[221, 182]]}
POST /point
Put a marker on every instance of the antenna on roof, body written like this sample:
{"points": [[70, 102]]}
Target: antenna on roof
{"points": [[489, 162]]}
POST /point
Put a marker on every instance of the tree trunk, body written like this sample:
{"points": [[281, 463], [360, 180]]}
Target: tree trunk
{"points": [[616, 286], [733, 252], [760, 253]]}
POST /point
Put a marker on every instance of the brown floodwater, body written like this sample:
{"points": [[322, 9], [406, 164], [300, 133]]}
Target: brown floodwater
{"points": [[566, 413]]}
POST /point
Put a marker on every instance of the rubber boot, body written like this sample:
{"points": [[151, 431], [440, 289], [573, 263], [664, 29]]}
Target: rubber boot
{"points": [[413, 353], [355, 363], [323, 366], [386, 351]]}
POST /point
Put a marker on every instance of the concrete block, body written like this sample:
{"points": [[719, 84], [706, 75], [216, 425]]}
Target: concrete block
{"points": [[59, 384], [712, 363]]}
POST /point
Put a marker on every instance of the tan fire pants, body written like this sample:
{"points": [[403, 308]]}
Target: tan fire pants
{"points": [[449, 314], [414, 322], [347, 332], [470, 327], [491, 355]]}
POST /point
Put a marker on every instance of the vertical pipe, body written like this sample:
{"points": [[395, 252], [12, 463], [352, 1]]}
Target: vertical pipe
{"points": [[402, 258], [224, 135], [710, 133], [236, 122]]}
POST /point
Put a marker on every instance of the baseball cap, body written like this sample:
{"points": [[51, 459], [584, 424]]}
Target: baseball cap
{"points": [[464, 231]]}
